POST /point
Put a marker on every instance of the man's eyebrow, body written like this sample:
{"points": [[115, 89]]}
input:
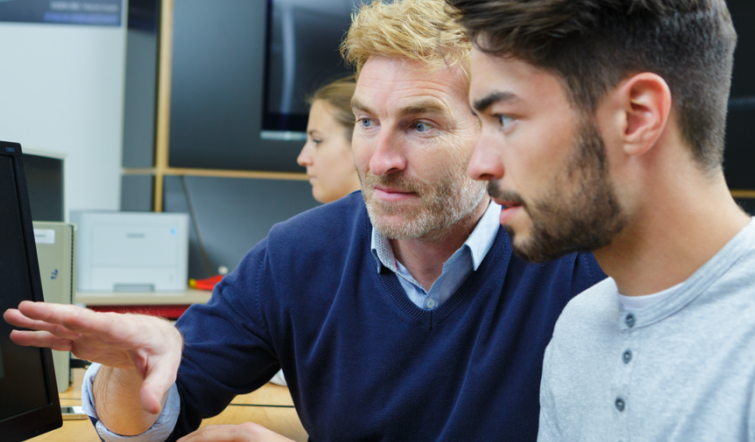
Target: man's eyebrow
{"points": [[495, 97], [356, 103], [422, 107]]}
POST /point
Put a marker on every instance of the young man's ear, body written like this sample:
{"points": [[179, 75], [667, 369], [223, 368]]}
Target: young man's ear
{"points": [[646, 104]]}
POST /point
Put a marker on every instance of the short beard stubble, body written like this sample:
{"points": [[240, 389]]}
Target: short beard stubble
{"points": [[443, 203], [579, 212]]}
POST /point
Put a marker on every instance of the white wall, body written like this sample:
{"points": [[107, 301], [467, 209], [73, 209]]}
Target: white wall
{"points": [[61, 89]]}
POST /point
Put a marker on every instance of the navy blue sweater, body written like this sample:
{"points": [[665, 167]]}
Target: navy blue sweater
{"points": [[362, 361]]}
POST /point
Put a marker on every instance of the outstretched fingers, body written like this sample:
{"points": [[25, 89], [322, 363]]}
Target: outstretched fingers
{"points": [[40, 339], [113, 329], [75, 318], [18, 319]]}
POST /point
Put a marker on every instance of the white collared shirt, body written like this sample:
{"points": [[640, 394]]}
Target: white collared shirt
{"points": [[455, 271]]}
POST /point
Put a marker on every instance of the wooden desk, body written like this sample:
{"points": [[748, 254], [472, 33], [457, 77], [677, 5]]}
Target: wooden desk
{"points": [[190, 296], [264, 406]]}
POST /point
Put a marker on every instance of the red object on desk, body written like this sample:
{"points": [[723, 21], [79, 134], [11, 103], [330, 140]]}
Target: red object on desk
{"points": [[161, 311], [205, 284]]}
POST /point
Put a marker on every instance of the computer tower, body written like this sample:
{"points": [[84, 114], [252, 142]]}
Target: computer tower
{"points": [[56, 248]]}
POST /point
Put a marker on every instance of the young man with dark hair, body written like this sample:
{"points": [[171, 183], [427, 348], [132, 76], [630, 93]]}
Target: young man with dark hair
{"points": [[603, 129]]}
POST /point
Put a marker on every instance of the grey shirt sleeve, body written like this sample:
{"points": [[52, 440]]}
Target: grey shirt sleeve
{"points": [[159, 432]]}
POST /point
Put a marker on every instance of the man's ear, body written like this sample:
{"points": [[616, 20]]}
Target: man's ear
{"points": [[646, 103]]}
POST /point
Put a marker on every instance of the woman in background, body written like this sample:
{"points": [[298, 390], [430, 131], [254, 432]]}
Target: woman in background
{"points": [[327, 153]]}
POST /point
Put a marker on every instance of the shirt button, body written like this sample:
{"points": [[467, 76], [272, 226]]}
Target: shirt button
{"points": [[627, 356], [630, 320], [430, 303], [620, 404]]}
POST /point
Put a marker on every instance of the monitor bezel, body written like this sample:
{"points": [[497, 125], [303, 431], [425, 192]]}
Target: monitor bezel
{"points": [[48, 417]]}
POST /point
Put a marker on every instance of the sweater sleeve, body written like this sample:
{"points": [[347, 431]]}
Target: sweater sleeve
{"points": [[227, 346]]}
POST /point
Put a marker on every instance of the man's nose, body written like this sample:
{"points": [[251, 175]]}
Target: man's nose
{"points": [[486, 164], [388, 156]]}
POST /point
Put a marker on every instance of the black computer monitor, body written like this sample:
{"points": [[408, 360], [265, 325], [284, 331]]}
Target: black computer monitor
{"points": [[29, 402]]}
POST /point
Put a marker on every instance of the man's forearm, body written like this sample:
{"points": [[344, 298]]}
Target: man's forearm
{"points": [[116, 399]]}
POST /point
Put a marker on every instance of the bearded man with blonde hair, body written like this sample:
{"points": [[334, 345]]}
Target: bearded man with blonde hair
{"points": [[398, 313]]}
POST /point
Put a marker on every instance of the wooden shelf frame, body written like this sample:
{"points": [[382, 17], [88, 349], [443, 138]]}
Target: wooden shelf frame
{"points": [[222, 173], [165, 66], [743, 193], [162, 137]]}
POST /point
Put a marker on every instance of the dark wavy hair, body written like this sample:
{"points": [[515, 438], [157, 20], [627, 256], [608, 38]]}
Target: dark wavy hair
{"points": [[595, 44]]}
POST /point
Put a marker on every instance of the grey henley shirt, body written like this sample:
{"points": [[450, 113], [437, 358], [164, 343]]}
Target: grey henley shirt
{"points": [[682, 369]]}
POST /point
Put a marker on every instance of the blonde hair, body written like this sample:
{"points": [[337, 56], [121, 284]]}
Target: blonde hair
{"points": [[419, 30], [338, 95]]}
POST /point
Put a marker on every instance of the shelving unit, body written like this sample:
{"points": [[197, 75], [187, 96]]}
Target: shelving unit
{"points": [[162, 138]]}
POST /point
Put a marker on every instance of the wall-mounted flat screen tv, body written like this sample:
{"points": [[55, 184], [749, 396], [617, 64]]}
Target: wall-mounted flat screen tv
{"points": [[303, 39], [739, 155]]}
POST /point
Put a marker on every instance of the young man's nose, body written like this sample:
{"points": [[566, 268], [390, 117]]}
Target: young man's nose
{"points": [[485, 164]]}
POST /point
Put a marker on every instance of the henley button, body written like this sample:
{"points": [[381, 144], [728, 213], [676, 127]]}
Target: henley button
{"points": [[630, 320], [620, 404], [627, 356]]}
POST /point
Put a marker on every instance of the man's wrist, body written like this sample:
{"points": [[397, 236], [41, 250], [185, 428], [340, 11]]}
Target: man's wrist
{"points": [[159, 431]]}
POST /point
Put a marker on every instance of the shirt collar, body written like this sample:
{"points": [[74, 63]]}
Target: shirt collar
{"points": [[478, 243], [483, 235]]}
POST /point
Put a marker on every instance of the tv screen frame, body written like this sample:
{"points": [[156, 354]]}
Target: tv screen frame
{"points": [[292, 126]]}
